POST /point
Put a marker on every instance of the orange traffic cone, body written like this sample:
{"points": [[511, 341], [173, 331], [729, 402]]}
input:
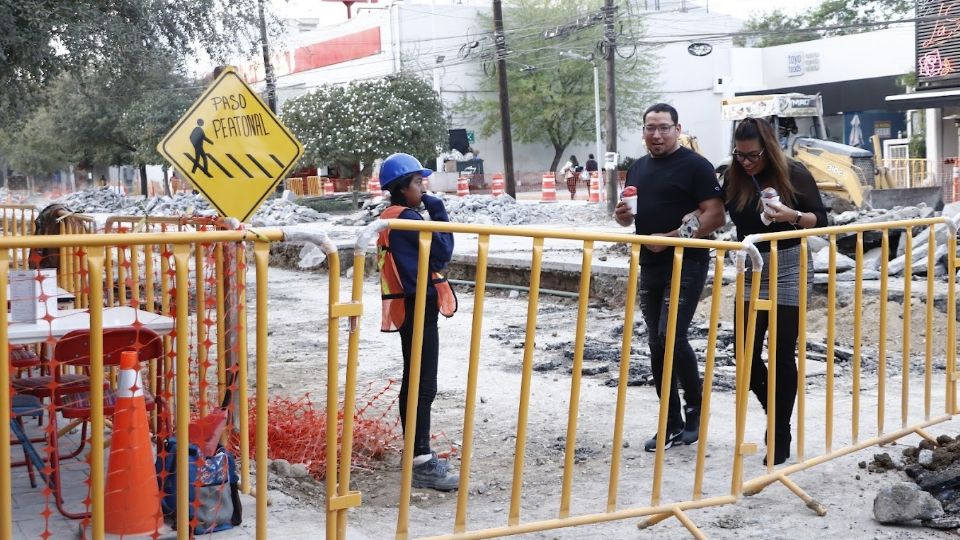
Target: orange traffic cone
{"points": [[132, 498]]}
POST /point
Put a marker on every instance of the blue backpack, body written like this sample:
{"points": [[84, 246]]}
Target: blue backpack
{"points": [[218, 490]]}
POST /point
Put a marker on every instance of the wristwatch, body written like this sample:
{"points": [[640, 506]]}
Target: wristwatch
{"points": [[796, 220]]}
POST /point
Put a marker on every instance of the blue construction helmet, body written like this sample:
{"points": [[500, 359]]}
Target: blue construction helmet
{"points": [[399, 165]]}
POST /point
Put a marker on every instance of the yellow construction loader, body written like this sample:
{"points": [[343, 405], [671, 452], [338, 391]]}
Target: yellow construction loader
{"points": [[846, 172]]}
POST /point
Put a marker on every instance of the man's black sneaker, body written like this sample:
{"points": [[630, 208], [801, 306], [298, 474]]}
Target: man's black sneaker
{"points": [[691, 426], [435, 474], [673, 439]]}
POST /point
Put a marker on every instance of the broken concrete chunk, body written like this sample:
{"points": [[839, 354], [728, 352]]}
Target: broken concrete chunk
{"points": [[903, 502]]}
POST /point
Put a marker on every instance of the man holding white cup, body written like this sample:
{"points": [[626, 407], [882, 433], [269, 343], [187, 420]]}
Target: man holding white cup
{"points": [[681, 198]]}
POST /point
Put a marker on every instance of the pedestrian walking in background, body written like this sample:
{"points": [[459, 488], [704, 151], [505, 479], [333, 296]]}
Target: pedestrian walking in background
{"points": [[765, 192], [679, 196], [398, 260], [570, 172], [589, 167]]}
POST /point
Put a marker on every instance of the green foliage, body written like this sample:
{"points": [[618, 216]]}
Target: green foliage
{"points": [[852, 16], [918, 145], [366, 120], [100, 118], [31, 149], [552, 97], [42, 39]]}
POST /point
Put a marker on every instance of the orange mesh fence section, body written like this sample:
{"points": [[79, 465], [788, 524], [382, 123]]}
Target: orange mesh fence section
{"points": [[97, 303], [297, 425]]}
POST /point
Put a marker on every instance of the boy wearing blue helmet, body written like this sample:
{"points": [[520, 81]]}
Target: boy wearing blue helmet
{"points": [[398, 259]]}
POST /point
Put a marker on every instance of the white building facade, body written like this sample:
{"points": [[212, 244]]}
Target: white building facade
{"points": [[440, 40]]}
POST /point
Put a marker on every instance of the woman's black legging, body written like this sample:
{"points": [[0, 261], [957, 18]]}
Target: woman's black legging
{"points": [[428, 370], [788, 324]]}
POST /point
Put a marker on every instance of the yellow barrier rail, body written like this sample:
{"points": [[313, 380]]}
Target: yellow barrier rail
{"points": [[189, 276], [340, 499], [565, 515], [906, 172], [909, 423], [17, 220]]}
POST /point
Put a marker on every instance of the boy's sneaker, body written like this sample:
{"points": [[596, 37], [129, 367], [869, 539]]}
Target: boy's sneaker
{"points": [[435, 474], [673, 439]]}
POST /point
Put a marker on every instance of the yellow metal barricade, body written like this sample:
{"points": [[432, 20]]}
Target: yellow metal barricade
{"points": [[862, 404], [17, 220], [180, 394], [295, 185], [663, 503], [72, 265], [869, 406]]}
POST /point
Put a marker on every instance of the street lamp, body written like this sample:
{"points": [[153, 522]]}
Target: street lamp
{"points": [[596, 91]]}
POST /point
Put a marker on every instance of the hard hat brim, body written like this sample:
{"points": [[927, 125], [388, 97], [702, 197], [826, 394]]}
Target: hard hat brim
{"points": [[423, 172]]}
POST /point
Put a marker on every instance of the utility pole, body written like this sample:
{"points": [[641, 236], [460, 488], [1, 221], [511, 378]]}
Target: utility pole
{"points": [[610, 46], [501, 44], [267, 65]]}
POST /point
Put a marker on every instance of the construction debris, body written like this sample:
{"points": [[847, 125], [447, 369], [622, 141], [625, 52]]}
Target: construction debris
{"points": [[934, 469], [273, 212]]}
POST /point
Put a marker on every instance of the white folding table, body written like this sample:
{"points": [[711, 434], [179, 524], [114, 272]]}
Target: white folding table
{"points": [[67, 320]]}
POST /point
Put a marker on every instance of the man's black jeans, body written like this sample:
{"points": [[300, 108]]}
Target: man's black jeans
{"points": [[428, 370], [654, 303]]}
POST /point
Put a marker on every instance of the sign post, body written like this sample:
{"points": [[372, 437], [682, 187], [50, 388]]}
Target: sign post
{"points": [[231, 147]]}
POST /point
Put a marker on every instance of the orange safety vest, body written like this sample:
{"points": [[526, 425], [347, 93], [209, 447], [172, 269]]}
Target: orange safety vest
{"points": [[391, 287]]}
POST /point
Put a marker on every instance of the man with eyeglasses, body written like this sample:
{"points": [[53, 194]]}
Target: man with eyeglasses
{"points": [[678, 196]]}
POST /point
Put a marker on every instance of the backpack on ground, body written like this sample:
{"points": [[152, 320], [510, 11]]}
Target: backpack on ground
{"points": [[217, 489]]}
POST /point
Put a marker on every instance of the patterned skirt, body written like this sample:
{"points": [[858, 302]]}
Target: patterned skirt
{"points": [[788, 276]]}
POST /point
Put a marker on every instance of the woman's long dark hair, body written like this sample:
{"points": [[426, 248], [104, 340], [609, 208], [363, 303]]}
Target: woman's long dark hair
{"points": [[573, 161], [739, 186]]}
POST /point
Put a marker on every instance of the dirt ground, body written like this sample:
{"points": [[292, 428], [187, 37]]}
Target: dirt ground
{"points": [[298, 346]]}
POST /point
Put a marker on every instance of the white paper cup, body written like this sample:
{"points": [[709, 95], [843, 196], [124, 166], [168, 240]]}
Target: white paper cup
{"points": [[631, 203]]}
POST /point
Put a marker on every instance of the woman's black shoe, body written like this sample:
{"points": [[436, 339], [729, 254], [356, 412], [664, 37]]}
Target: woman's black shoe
{"points": [[781, 445]]}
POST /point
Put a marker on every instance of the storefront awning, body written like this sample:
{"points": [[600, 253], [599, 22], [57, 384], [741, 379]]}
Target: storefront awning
{"points": [[927, 99]]}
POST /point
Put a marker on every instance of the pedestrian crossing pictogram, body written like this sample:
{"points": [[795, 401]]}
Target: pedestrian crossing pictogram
{"points": [[232, 147]]}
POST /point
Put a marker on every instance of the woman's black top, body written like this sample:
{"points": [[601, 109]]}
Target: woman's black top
{"points": [[747, 220]]}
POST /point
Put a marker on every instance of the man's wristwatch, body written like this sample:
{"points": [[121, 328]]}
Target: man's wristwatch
{"points": [[796, 220]]}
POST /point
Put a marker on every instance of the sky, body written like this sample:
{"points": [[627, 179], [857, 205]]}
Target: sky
{"points": [[743, 8], [332, 12]]}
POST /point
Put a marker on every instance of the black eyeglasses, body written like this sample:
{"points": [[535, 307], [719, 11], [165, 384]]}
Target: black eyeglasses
{"points": [[664, 129], [752, 157]]}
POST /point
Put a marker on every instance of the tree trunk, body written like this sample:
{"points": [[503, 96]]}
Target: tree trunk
{"points": [[357, 182], [166, 182], [557, 156], [143, 180]]}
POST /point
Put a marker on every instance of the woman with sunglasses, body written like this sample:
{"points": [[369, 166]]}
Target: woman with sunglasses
{"points": [[758, 165]]}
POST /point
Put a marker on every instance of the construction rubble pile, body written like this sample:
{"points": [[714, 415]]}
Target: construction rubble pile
{"points": [[273, 212], [931, 491], [489, 210]]}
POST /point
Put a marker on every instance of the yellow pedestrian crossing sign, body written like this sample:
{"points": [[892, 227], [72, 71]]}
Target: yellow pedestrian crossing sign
{"points": [[232, 147]]}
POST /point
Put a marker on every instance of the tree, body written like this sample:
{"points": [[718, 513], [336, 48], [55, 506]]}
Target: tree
{"points": [[100, 118], [552, 97], [42, 39], [351, 126], [842, 16]]}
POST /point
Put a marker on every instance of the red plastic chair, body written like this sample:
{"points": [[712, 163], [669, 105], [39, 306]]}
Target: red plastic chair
{"points": [[74, 349], [24, 357]]}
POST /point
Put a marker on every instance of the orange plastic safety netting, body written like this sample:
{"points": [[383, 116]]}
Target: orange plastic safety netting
{"points": [[129, 298]]}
